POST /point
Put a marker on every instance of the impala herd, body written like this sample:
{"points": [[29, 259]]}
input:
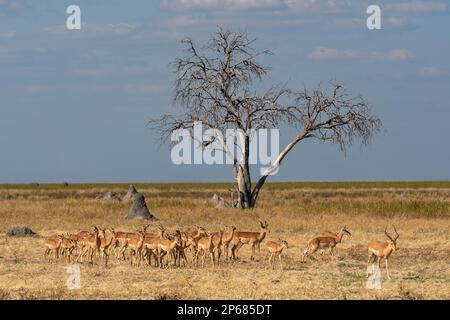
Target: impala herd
{"points": [[165, 248]]}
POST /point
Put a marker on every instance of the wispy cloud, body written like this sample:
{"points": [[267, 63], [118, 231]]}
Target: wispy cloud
{"points": [[223, 4], [389, 23], [182, 21], [433, 72], [317, 5], [295, 5], [93, 29], [392, 55], [325, 53], [418, 7]]}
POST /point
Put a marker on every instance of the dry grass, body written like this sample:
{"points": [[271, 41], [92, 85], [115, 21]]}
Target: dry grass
{"points": [[420, 269]]}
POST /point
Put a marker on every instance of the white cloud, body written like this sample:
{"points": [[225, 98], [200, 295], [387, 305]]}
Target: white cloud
{"points": [[323, 53], [392, 55], [418, 7], [229, 4], [182, 22], [297, 5], [310, 5], [433, 72], [92, 29], [387, 22]]}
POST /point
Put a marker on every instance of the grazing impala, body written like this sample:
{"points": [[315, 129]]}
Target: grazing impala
{"points": [[327, 242], [327, 233], [276, 248], [380, 250], [52, 243], [252, 238]]}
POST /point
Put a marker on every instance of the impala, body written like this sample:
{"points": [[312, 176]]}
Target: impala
{"points": [[327, 242], [167, 247], [180, 250], [123, 238], [67, 247], [276, 248], [226, 240], [204, 244], [217, 240], [52, 243], [135, 245], [150, 245], [106, 244], [90, 244], [252, 238], [380, 250], [78, 237], [194, 233]]}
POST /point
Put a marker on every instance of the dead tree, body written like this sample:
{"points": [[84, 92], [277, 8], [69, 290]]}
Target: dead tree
{"points": [[214, 84]]}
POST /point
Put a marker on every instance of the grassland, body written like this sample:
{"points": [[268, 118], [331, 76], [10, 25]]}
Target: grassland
{"points": [[420, 269]]}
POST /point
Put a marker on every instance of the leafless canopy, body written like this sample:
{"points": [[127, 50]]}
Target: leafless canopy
{"points": [[216, 84]]}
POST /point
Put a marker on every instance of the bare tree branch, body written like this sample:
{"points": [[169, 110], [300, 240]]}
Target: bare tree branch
{"points": [[214, 86]]}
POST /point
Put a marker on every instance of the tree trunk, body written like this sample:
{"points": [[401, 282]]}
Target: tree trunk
{"points": [[244, 187], [252, 195]]}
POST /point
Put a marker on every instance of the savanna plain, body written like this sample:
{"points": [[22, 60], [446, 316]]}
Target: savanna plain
{"points": [[295, 212]]}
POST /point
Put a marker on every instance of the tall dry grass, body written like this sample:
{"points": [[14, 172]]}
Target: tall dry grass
{"points": [[420, 269]]}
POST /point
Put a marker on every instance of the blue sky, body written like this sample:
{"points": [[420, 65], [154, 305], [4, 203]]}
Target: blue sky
{"points": [[74, 105]]}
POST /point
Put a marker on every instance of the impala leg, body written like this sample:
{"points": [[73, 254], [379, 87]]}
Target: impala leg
{"points": [[212, 256], [387, 269], [378, 263], [369, 259], [233, 252], [203, 258], [279, 258], [305, 253], [106, 255], [196, 257], [270, 259], [92, 256], [183, 256], [235, 249], [219, 254], [161, 257], [259, 251], [225, 248]]}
